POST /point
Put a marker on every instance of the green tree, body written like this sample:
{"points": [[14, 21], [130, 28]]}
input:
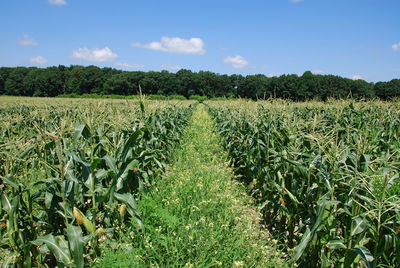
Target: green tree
{"points": [[14, 82], [388, 90], [361, 89], [171, 84], [256, 87], [207, 84], [1, 85], [236, 82], [43, 82], [308, 87], [52, 81], [85, 80], [117, 84], [187, 80], [148, 85], [134, 80]]}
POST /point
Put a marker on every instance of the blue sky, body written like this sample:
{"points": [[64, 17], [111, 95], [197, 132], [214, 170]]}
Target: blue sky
{"points": [[351, 38]]}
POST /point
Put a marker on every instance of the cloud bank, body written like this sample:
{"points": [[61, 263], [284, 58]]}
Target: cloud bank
{"points": [[170, 67], [128, 65], [236, 61], [175, 45], [39, 60], [357, 77], [94, 55]]}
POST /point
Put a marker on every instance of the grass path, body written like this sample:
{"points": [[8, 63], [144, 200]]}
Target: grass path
{"points": [[196, 216]]}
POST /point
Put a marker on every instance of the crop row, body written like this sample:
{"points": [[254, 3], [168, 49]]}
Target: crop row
{"points": [[326, 177], [87, 178]]}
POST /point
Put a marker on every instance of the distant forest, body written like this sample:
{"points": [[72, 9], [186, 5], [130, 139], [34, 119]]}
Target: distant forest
{"points": [[54, 81]]}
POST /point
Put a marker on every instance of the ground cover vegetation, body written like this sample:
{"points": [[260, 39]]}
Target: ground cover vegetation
{"points": [[196, 215], [325, 176], [108, 82], [71, 173]]}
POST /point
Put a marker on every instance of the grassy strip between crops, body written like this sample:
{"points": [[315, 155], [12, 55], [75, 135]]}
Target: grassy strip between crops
{"points": [[196, 216]]}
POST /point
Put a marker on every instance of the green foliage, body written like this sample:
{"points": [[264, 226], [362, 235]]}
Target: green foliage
{"points": [[176, 97], [198, 98], [195, 216], [79, 80], [325, 177], [388, 90], [88, 176], [1, 85]]}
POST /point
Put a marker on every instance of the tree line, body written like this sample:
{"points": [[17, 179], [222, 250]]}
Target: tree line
{"points": [[59, 80]]}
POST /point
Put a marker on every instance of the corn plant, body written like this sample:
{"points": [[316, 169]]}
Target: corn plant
{"points": [[325, 177], [90, 177]]}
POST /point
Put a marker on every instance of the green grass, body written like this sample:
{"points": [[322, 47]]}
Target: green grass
{"points": [[196, 215]]}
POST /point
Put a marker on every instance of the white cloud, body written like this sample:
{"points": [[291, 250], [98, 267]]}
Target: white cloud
{"points": [[317, 71], [357, 77], [57, 2], [127, 65], [39, 60], [175, 45], [170, 67], [94, 55], [26, 41], [396, 46], [296, 1], [236, 61], [273, 75]]}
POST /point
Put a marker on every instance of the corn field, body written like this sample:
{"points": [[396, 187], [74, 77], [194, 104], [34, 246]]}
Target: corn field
{"points": [[71, 172], [325, 176]]}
